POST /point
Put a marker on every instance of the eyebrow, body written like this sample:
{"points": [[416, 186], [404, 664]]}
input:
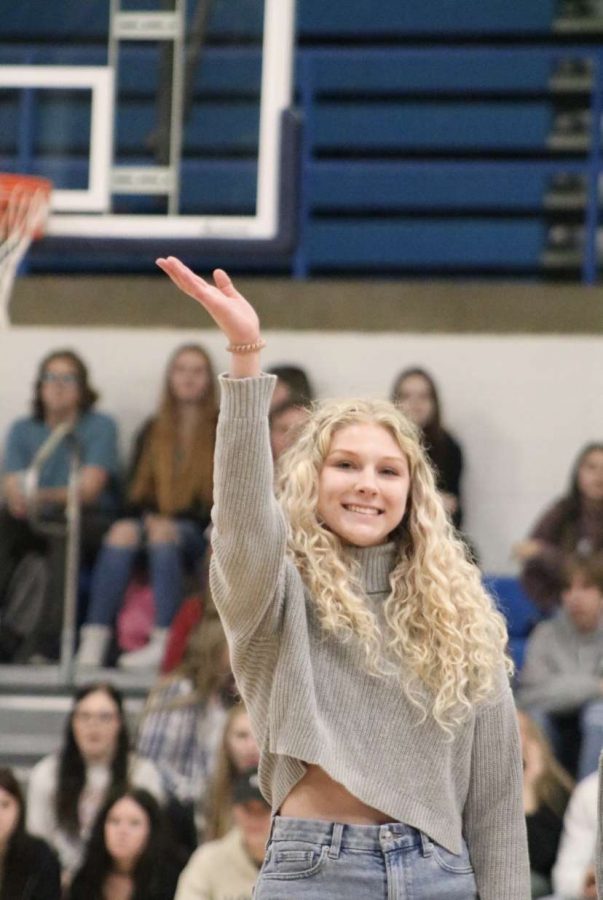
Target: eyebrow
{"points": [[346, 452]]}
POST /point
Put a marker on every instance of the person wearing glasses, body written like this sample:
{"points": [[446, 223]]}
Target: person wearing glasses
{"points": [[62, 395], [68, 788]]}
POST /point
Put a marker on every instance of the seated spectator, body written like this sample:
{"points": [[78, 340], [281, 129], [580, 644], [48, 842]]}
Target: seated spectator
{"points": [[574, 869], [286, 422], [293, 384], [238, 752], [572, 526], [29, 870], [228, 868], [415, 392], [62, 394], [561, 682], [128, 856], [67, 789], [170, 497], [546, 791], [185, 715]]}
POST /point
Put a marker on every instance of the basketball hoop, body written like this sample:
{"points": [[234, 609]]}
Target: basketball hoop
{"points": [[24, 205]]}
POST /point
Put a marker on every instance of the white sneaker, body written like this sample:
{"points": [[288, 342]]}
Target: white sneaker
{"points": [[149, 656], [94, 643]]}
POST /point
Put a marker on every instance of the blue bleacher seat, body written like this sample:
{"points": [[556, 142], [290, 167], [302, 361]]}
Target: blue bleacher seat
{"points": [[416, 17], [519, 611]]}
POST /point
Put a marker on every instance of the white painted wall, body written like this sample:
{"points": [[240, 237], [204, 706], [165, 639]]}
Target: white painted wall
{"points": [[521, 406]]}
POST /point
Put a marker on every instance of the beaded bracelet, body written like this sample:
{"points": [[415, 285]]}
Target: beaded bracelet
{"points": [[247, 348]]}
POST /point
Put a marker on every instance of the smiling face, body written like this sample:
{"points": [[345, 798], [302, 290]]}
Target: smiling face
{"points": [[127, 829], [363, 484]]}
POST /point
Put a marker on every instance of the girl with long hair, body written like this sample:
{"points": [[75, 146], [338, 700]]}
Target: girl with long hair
{"points": [[183, 719], [238, 752], [128, 856], [547, 788], [170, 496], [370, 658], [66, 789], [29, 870], [415, 392], [572, 526]]}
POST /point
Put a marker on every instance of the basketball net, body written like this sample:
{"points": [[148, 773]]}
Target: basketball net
{"points": [[24, 205]]}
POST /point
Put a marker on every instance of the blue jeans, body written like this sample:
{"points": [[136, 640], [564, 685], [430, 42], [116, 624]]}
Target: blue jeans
{"points": [[325, 861], [166, 561], [578, 744]]}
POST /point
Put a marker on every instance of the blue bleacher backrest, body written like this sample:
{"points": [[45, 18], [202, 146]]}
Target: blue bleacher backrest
{"points": [[519, 611]]}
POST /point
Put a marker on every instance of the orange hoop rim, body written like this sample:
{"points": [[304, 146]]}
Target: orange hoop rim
{"points": [[19, 187], [9, 180]]}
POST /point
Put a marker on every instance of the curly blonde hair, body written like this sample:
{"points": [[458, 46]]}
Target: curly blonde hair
{"points": [[443, 636]]}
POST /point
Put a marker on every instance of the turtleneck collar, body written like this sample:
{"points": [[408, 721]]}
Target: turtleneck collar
{"points": [[376, 565]]}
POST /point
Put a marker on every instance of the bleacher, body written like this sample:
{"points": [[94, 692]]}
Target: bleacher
{"points": [[447, 137]]}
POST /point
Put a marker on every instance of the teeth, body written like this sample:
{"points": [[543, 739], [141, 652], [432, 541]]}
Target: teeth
{"points": [[363, 510]]}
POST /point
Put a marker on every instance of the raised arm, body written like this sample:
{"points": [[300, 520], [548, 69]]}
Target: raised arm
{"points": [[249, 535], [231, 312]]}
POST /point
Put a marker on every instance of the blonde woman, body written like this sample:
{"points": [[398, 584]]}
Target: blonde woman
{"points": [[169, 500], [547, 788], [185, 714], [370, 659], [238, 753]]}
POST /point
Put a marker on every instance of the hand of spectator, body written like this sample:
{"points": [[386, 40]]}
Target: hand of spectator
{"points": [[230, 310], [589, 888], [533, 763], [533, 767], [525, 550]]}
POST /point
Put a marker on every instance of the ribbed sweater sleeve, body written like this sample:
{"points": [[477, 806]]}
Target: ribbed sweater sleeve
{"points": [[494, 821], [248, 559]]}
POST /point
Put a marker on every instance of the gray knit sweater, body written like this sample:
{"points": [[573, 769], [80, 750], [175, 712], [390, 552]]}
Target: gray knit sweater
{"points": [[308, 693]]}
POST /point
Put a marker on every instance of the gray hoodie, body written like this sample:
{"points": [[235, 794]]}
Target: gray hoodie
{"points": [[563, 668]]}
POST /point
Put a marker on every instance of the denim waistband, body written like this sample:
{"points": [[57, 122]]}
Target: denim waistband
{"points": [[356, 837]]}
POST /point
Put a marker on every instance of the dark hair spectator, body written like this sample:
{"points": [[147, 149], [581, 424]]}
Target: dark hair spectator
{"points": [[29, 870], [293, 383], [169, 502], [62, 396], [561, 684], [66, 789], [286, 422], [415, 392], [573, 525], [88, 396], [128, 854]]}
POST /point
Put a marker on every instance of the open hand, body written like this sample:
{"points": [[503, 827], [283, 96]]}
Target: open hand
{"points": [[231, 312]]}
